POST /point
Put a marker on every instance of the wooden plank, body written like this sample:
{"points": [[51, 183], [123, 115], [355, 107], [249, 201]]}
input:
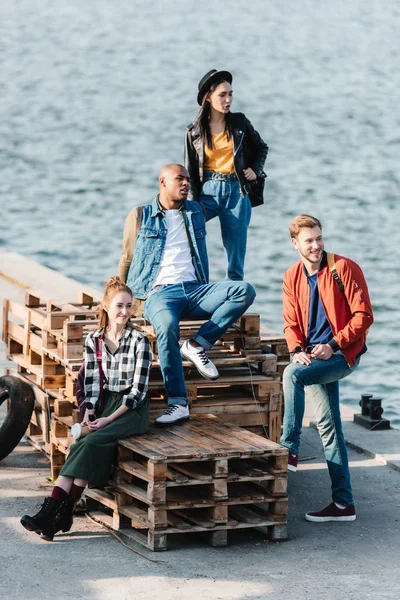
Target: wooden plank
{"points": [[245, 436], [135, 514], [6, 309], [102, 497], [246, 515], [134, 468], [177, 522], [133, 444], [190, 449], [153, 440], [199, 518], [194, 471], [174, 477], [213, 448], [217, 431]]}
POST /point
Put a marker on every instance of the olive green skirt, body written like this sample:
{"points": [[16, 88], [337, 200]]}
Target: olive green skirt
{"points": [[92, 457]]}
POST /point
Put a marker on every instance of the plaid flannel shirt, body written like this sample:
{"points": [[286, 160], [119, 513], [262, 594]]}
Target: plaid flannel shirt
{"points": [[126, 370]]}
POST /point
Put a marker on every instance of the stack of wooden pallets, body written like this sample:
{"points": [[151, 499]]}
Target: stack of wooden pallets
{"points": [[199, 477], [34, 334], [46, 338]]}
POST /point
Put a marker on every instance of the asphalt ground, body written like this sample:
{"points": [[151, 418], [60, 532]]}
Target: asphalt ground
{"points": [[357, 560]]}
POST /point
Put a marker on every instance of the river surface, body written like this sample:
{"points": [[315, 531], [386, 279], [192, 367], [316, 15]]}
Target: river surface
{"points": [[95, 97]]}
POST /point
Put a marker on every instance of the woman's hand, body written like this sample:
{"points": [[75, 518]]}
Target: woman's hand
{"points": [[88, 411], [98, 423], [249, 174]]}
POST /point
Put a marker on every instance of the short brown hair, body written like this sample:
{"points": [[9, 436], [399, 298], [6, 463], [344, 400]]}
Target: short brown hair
{"points": [[302, 221]]}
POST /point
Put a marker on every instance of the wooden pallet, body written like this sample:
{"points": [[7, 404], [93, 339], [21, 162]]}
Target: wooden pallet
{"points": [[202, 476], [45, 338]]}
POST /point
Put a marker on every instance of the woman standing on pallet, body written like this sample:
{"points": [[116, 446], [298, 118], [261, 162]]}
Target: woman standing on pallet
{"points": [[225, 157], [118, 359]]}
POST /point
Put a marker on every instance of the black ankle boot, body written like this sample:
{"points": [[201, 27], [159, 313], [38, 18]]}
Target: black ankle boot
{"points": [[64, 517], [44, 521]]}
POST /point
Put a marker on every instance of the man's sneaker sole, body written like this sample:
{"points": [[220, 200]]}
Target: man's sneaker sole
{"points": [[326, 519], [177, 422], [202, 373], [292, 468]]}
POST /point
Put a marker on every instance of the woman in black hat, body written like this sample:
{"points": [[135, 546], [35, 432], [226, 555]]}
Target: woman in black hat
{"points": [[225, 156]]}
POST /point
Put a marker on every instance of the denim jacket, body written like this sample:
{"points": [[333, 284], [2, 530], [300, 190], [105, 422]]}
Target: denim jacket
{"points": [[141, 265]]}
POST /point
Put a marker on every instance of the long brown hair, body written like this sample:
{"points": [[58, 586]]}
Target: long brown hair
{"points": [[203, 118], [112, 286]]}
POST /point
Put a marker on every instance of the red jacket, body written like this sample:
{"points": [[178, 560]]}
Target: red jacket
{"points": [[349, 313]]}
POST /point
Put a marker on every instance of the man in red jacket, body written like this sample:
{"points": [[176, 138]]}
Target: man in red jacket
{"points": [[326, 312]]}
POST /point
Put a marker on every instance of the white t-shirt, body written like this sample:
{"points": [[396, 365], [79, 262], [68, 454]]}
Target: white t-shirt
{"points": [[176, 263]]}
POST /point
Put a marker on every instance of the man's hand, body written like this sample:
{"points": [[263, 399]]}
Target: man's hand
{"points": [[249, 174], [302, 358], [322, 352], [98, 423]]}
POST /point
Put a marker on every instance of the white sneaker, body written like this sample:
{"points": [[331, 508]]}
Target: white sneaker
{"points": [[199, 358], [175, 413]]}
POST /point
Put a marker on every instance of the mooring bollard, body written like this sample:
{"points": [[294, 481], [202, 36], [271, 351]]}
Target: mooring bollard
{"points": [[371, 413]]}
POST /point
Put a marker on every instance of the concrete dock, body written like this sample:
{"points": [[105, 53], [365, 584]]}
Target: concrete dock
{"points": [[358, 560]]}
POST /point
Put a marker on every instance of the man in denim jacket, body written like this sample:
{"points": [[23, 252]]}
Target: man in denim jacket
{"points": [[165, 263]]}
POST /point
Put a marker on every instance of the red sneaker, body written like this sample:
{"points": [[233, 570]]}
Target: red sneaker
{"points": [[332, 513], [292, 462]]}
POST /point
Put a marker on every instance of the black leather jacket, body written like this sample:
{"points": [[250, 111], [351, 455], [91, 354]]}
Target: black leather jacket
{"points": [[248, 147]]}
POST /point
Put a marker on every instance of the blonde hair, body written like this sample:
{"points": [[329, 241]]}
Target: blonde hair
{"points": [[301, 222], [112, 286]]}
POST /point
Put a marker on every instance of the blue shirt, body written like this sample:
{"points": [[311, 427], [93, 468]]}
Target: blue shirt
{"points": [[319, 330]]}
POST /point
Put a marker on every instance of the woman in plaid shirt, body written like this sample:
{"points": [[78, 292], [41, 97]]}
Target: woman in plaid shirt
{"points": [[120, 411]]}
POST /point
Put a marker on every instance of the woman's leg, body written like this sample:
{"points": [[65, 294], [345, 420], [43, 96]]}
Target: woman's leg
{"points": [[234, 216], [210, 198], [65, 483], [80, 482]]}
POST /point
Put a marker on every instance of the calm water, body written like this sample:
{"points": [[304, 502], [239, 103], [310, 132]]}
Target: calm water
{"points": [[96, 96]]}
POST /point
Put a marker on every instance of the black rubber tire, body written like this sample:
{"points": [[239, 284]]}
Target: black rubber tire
{"points": [[17, 420]]}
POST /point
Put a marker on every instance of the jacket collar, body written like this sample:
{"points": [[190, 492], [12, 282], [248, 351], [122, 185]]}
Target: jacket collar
{"points": [[236, 120], [157, 210]]}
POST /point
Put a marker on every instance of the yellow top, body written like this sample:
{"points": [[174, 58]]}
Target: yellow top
{"points": [[220, 158]]}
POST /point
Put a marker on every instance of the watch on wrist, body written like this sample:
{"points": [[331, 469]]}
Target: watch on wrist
{"points": [[296, 350]]}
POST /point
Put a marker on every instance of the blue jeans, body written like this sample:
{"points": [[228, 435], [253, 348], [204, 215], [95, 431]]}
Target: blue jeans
{"points": [[322, 378], [221, 196], [222, 303]]}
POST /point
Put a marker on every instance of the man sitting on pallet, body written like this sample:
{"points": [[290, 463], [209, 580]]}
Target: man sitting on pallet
{"points": [[327, 312], [164, 258]]}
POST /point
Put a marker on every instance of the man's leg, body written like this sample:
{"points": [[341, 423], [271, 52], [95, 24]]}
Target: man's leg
{"points": [[222, 303], [322, 378], [295, 378], [163, 309], [325, 399]]}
